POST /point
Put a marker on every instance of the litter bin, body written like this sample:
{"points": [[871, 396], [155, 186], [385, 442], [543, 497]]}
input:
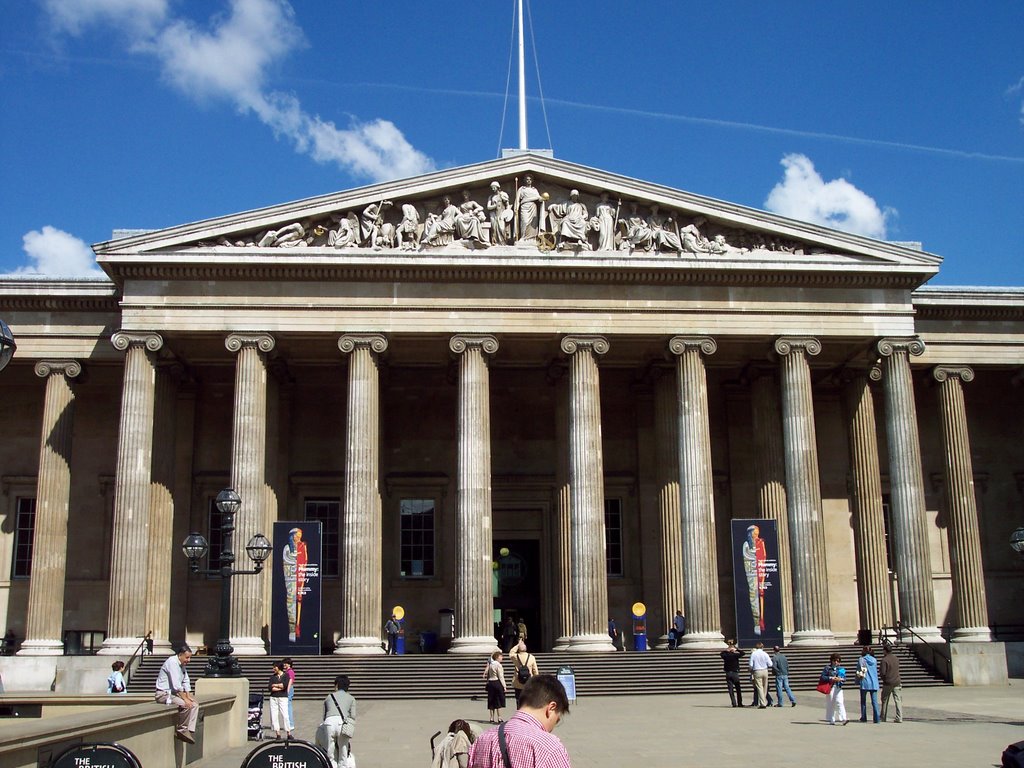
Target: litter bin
{"points": [[428, 642]]}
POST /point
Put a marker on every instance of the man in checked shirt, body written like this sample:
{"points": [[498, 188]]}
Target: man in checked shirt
{"points": [[528, 734]]}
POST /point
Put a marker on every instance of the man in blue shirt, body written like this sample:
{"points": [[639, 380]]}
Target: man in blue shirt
{"points": [[781, 667], [174, 687]]}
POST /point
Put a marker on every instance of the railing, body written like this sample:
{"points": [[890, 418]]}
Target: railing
{"points": [[144, 647], [939, 658]]}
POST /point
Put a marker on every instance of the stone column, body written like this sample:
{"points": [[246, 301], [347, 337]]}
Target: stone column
{"points": [[811, 619], [361, 534], [562, 538], [865, 483], [249, 610], [911, 556], [586, 491], [474, 599], [126, 623], [697, 503], [770, 475], [666, 437], [45, 623], [964, 537], [163, 546]]}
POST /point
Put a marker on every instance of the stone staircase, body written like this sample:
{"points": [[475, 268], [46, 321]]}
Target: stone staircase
{"points": [[450, 676]]}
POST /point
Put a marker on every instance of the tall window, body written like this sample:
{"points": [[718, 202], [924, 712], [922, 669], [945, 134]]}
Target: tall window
{"points": [[417, 522], [613, 536], [327, 512], [24, 528]]}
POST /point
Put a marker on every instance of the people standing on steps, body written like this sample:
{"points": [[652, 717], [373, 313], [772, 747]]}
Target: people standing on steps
{"points": [[391, 629]]}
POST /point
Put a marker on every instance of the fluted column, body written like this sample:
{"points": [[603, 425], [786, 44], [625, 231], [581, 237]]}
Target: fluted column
{"points": [[563, 512], [811, 618], [666, 438], [770, 475], [45, 622], [586, 491], [911, 556], [130, 551], [964, 538], [696, 494], [873, 597], [162, 544], [249, 610], [361, 533], [474, 598]]}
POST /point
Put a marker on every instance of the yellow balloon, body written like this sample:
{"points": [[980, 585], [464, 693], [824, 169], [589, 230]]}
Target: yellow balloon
{"points": [[399, 612], [503, 551], [639, 609]]}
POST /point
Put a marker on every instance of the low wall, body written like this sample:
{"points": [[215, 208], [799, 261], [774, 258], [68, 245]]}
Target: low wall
{"points": [[978, 663], [140, 724]]}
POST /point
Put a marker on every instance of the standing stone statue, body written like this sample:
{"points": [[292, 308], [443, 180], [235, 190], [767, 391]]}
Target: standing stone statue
{"points": [[409, 228], [604, 223], [501, 215], [372, 223], [527, 208]]}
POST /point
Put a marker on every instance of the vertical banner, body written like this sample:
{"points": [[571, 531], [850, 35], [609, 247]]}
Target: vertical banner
{"points": [[295, 602], [755, 568]]}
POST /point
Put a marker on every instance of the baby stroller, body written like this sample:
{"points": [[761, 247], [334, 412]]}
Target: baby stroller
{"points": [[254, 717]]}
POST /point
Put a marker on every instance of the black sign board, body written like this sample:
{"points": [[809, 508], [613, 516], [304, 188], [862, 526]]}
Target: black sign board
{"points": [[287, 754], [97, 756]]}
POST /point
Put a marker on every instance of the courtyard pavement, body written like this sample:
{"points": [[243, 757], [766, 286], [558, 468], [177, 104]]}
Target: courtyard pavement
{"points": [[958, 727]]}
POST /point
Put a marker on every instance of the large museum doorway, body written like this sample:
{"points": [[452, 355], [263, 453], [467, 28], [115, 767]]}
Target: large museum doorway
{"points": [[517, 587]]}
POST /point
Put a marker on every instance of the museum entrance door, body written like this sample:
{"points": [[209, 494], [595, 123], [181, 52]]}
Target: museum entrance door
{"points": [[517, 588]]}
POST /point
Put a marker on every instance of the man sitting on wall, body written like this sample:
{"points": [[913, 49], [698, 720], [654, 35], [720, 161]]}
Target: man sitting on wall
{"points": [[174, 687]]}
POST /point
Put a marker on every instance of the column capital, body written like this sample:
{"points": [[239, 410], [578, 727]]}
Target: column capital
{"points": [[377, 342], [264, 342], [459, 343], [68, 368], [572, 344], [785, 345], [677, 345], [963, 372], [889, 345], [124, 339]]}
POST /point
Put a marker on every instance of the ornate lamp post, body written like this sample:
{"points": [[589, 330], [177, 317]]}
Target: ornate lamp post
{"points": [[1017, 541], [7, 345], [195, 546]]}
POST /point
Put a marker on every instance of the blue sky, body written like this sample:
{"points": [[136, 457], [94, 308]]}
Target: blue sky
{"points": [[897, 120]]}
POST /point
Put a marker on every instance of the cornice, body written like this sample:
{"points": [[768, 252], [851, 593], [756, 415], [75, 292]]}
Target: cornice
{"points": [[968, 303], [32, 295]]}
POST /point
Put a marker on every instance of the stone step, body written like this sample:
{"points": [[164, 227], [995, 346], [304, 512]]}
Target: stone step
{"points": [[444, 676]]}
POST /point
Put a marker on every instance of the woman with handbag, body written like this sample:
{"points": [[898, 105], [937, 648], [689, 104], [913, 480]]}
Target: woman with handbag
{"points": [[494, 674], [334, 734], [834, 675]]}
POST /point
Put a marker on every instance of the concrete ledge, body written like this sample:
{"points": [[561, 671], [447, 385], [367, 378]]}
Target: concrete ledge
{"points": [[144, 727], [978, 663]]}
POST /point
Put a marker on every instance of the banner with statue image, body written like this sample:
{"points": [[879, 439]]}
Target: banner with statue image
{"points": [[295, 588], [755, 568]]}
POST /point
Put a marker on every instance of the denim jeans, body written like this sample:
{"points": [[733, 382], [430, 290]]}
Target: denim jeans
{"points": [[863, 704], [782, 684]]}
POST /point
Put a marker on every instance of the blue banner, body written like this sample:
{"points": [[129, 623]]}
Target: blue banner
{"points": [[295, 611], [755, 568]]}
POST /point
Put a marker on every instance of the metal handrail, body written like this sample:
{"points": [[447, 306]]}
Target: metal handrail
{"points": [[899, 627], [137, 655]]}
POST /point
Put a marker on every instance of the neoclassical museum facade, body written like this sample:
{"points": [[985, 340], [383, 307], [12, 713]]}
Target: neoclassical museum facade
{"points": [[522, 358]]}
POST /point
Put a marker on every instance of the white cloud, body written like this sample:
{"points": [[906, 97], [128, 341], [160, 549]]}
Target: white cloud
{"points": [[803, 194], [55, 253], [230, 58], [1015, 91]]}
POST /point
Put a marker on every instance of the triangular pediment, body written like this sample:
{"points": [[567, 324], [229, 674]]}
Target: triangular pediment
{"points": [[524, 206]]}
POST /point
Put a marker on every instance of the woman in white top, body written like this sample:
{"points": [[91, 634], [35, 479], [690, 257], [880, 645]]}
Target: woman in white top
{"points": [[494, 674]]}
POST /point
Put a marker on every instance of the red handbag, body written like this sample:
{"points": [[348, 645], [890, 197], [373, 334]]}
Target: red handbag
{"points": [[825, 686]]}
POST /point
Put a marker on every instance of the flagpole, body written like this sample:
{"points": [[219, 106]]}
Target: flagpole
{"points": [[522, 83]]}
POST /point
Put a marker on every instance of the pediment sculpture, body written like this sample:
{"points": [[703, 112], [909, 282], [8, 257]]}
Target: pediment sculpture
{"points": [[517, 215]]}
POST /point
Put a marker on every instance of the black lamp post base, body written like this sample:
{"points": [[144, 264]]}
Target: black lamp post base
{"points": [[223, 663]]}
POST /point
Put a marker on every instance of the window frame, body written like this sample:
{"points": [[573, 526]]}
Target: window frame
{"points": [[421, 545], [330, 534]]}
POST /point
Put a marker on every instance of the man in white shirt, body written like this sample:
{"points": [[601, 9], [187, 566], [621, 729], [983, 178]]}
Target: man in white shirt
{"points": [[174, 687], [760, 663]]}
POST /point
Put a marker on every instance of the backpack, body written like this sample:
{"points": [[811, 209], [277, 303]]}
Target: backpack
{"points": [[523, 673]]}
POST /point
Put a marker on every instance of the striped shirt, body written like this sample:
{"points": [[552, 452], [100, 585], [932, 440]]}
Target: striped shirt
{"points": [[529, 746]]}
